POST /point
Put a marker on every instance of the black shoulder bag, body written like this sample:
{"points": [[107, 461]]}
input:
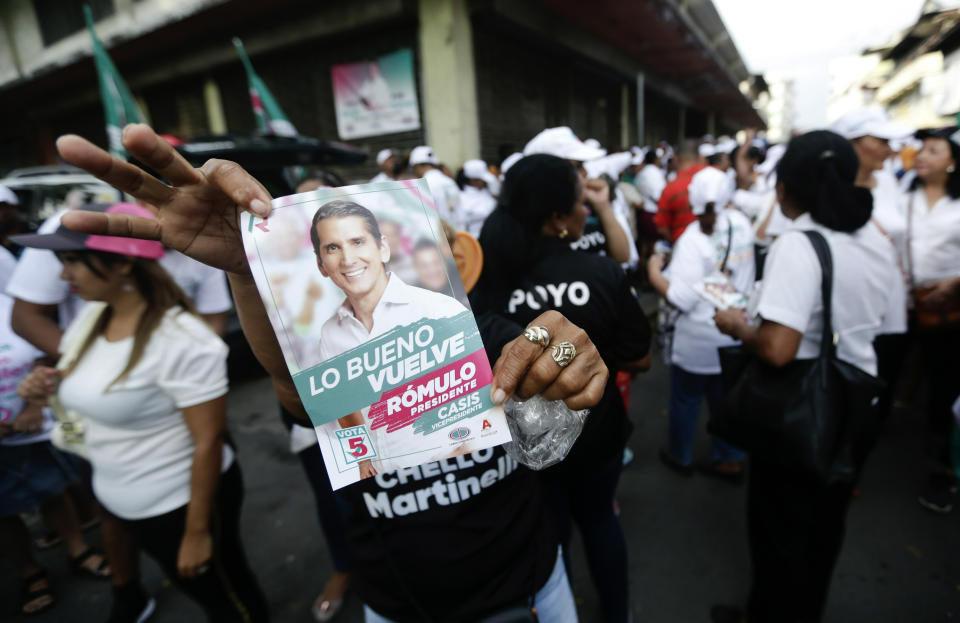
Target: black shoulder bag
{"points": [[816, 416]]}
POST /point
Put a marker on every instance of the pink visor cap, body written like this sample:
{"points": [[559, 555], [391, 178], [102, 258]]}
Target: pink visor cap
{"points": [[65, 239]]}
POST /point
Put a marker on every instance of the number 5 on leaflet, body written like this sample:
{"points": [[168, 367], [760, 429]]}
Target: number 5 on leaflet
{"points": [[355, 444]]}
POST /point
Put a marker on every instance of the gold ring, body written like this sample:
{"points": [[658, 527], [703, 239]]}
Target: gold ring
{"points": [[537, 335], [563, 353]]}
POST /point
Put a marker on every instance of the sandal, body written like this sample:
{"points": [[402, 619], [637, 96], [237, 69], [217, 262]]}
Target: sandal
{"points": [[78, 564], [48, 540], [32, 594], [324, 609], [731, 471]]}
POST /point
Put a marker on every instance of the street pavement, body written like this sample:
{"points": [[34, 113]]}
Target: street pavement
{"points": [[686, 536]]}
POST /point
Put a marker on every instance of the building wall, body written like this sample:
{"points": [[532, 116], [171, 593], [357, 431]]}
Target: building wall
{"points": [[131, 19], [525, 85], [299, 78]]}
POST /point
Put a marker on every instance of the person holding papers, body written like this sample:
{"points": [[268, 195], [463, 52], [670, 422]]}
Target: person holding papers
{"points": [[399, 571], [718, 242]]}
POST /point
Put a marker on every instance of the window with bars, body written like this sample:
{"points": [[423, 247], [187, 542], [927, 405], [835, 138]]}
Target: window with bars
{"points": [[58, 19]]}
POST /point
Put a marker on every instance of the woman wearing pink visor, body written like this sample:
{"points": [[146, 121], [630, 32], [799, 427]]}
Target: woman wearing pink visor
{"points": [[150, 378]]}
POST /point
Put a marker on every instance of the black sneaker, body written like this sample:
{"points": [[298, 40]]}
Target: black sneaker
{"points": [[674, 464], [727, 614], [938, 494], [131, 604]]}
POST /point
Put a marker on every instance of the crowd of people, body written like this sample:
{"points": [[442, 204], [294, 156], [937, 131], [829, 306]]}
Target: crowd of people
{"points": [[117, 312]]}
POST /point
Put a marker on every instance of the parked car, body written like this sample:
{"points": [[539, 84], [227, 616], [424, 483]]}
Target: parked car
{"points": [[44, 191]]}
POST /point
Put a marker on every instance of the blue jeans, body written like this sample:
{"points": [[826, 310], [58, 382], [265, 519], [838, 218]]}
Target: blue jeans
{"points": [[586, 498], [687, 391], [554, 601]]}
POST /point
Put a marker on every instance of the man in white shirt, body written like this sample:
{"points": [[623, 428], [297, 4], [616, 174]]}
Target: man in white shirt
{"points": [[353, 254], [444, 191], [387, 161], [477, 200], [651, 180]]}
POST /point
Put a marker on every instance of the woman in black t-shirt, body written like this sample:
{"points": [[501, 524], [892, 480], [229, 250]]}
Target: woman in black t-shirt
{"points": [[529, 267]]}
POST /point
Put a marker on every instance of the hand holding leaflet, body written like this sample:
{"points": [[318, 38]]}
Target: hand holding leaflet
{"points": [[197, 214], [717, 290]]}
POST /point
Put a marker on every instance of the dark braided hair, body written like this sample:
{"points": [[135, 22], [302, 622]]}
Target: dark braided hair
{"points": [[818, 172]]}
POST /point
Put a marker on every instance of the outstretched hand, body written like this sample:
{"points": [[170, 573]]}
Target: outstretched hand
{"points": [[197, 213]]}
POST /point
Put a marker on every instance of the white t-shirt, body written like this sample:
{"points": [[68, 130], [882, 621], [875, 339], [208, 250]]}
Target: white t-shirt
{"points": [[695, 257], [650, 182], [754, 203], [37, 280], [934, 238], [204, 285], [867, 291], [381, 177], [621, 210], [400, 305], [476, 205], [890, 214], [139, 444], [446, 197], [16, 359]]}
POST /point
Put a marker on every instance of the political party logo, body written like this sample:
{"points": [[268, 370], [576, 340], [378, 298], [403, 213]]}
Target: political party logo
{"points": [[460, 432]]}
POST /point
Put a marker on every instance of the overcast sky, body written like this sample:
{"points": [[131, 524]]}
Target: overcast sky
{"points": [[799, 38]]}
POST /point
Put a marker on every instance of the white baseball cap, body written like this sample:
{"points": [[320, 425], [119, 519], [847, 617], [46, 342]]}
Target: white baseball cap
{"points": [[706, 150], [563, 143], [477, 170], [382, 155], [422, 155], [613, 165], [8, 196], [725, 145], [710, 186], [869, 121]]}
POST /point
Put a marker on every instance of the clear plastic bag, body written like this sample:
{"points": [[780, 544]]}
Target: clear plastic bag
{"points": [[543, 431]]}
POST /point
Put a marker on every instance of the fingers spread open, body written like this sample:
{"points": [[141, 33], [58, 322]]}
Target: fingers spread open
{"points": [[119, 174], [234, 181], [144, 144], [126, 225]]}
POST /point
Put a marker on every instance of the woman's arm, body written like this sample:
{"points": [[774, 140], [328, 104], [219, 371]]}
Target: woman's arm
{"points": [[655, 273], [207, 423], [944, 290], [598, 193], [772, 342]]}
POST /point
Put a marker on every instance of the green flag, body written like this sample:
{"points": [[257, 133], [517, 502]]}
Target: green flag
{"points": [[270, 118], [119, 107]]}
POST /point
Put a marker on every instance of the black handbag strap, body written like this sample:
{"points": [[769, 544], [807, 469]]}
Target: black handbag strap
{"points": [[726, 254], [828, 340]]}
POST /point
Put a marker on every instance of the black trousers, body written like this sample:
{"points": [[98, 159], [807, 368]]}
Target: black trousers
{"points": [[228, 592], [795, 527], [941, 359]]}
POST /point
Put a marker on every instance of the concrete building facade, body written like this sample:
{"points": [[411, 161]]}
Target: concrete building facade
{"points": [[489, 73], [915, 75]]}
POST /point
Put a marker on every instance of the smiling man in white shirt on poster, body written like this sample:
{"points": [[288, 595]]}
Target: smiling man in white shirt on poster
{"points": [[353, 254]]}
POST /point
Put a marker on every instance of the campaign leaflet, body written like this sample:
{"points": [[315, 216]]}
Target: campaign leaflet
{"points": [[717, 290], [362, 291]]}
